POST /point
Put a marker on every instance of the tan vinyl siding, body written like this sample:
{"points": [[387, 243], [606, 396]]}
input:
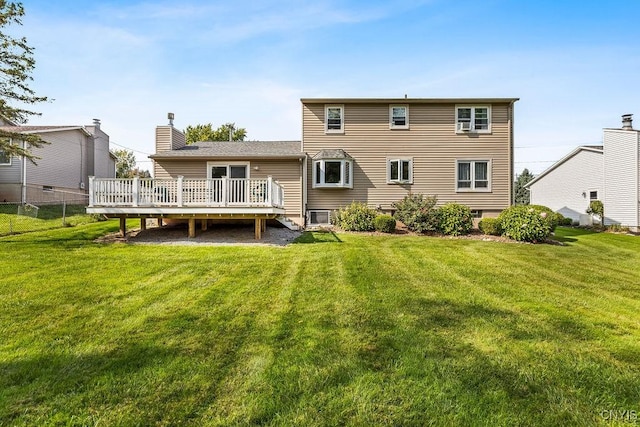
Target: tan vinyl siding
{"points": [[431, 142], [163, 138], [288, 173], [178, 139]]}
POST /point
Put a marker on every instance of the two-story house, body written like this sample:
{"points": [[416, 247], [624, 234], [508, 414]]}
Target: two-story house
{"points": [[379, 150], [65, 162], [372, 150]]}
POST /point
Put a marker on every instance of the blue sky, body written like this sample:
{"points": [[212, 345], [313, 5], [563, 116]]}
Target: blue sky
{"points": [[575, 65]]}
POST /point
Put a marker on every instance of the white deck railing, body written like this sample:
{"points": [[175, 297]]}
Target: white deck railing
{"points": [[185, 192]]}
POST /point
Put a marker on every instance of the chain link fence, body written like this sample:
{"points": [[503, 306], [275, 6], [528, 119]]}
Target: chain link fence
{"points": [[55, 209]]}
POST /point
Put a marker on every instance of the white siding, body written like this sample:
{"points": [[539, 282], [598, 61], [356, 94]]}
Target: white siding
{"points": [[562, 188], [621, 152]]}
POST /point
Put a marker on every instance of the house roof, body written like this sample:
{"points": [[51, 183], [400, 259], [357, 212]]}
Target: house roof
{"points": [[591, 148], [408, 100], [43, 129], [332, 154], [235, 149]]}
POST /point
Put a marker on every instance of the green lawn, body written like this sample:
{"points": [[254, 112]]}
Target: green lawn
{"points": [[49, 217], [339, 329]]}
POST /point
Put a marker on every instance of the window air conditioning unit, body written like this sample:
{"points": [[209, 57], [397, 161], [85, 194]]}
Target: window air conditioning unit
{"points": [[464, 126]]}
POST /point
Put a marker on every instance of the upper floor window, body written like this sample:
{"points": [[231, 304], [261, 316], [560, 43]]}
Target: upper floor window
{"points": [[473, 175], [334, 119], [399, 171], [473, 119], [332, 169], [399, 117]]}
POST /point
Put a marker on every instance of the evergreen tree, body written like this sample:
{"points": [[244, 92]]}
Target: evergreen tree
{"points": [[16, 65], [521, 193]]}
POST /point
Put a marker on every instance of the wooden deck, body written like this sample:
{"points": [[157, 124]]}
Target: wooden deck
{"points": [[188, 199]]}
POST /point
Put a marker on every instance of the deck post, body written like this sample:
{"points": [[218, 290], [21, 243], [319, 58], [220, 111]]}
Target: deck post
{"points": [[257, 229], [159, 219], [264, 225], [204, 224], [143, 223], [179, 195], [269, 190], [225, 191], [192, 227], [123, 226], [136, 190], [91, 178]]}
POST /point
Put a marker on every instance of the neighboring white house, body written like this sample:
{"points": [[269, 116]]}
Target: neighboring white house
{"points": [[571, 183], [73, 153], [610, 173], [621, 175]]}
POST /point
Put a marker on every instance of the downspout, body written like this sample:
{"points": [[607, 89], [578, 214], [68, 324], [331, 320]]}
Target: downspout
{"points": [[511, 156], [81, 163], [304, 172], [24, 174]]}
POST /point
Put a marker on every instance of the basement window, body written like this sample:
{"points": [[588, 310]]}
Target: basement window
{"points": [[320, 217]]}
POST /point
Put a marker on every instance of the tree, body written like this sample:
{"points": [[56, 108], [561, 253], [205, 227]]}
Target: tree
{"points": [[16, 65], [125, 162], [596, 207], [207, 133], [522, 195]]}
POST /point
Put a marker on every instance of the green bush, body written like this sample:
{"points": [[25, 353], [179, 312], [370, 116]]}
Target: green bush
{"points": [[566, 221], [455, 219], [417, 212], [554, 219], [356, 217], [490, 226], [524, 223], [384, 223], [596, 207]]}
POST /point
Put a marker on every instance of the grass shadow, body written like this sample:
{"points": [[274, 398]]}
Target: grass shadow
{"points": [[325, 236]]}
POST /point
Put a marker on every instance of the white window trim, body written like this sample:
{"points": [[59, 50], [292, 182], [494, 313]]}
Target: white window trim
{"points": [[326, 118], [399, 159], [391, 125], [340, 184], [472, 189], [327, 211], [589, 194], [473, 113], [219, 164]]}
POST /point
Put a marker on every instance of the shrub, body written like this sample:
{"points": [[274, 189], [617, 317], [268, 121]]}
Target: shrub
{"points": [[524, 223], [417, 212], [596, 207], [455, 219], [384, 223], [617, 228], [356, 217], [490, 226], [566, 221], [553, 218]]}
